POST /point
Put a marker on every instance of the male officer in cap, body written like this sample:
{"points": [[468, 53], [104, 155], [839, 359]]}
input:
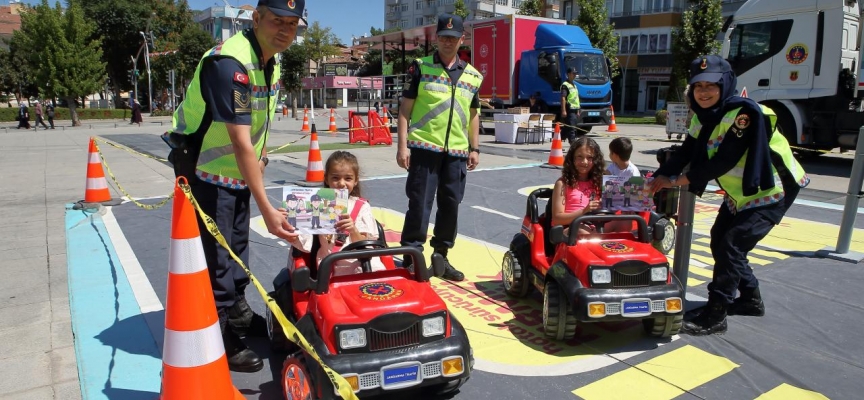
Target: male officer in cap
{"points": [[219, 138], [570, 106], [438, 129], [752, 162]]}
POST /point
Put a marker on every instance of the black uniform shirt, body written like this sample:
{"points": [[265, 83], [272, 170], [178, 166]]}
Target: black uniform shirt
{"points": [[231, 103], [455, 72]]}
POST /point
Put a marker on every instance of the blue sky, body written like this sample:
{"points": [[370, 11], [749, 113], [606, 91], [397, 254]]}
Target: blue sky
{"points": [[343, 17]]}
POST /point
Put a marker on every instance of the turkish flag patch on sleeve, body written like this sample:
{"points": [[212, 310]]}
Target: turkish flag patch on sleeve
{"points": [[241, 78]]}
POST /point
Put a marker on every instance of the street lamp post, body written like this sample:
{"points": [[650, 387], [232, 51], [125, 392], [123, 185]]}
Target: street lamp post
{"points": [[149, 76], [134, 77], [624, 75]]}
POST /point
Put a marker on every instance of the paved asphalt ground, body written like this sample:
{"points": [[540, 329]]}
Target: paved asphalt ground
{"points": [[70, 271]]}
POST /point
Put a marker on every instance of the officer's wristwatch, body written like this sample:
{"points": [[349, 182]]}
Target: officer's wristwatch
{"points": [[265, 160], [473, 149], [673, 180]]}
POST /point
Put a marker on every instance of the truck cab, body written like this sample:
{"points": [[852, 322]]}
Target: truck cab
{"points": [[543, 70]]}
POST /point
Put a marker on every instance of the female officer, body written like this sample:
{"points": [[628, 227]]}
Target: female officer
{"points": [[734, 141]]}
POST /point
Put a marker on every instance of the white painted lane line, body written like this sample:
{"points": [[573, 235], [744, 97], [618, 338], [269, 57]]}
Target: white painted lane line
{"points": [[496, 212]]}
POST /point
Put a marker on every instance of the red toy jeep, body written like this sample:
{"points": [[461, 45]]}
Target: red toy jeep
{"points": [[592, 277], [382, 331]]}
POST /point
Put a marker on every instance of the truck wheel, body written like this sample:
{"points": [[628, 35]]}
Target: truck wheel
{"points": [[514, 276], [558, 320], [663, 326], [296, 381], [664, 236]]}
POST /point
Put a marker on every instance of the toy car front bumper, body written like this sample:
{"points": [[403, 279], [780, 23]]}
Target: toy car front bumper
{"points": [[627, 304], [385, 371]]}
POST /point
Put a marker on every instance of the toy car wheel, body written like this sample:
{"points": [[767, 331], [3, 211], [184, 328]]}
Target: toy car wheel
{"points": [[278, 342], [296, 382], [558, 320], [663, 326], [664, 235], [514, 276], [449, 387]]}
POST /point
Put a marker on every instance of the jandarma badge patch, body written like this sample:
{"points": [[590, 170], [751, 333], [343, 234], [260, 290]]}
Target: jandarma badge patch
{"points": [[242, 102], [379, 291], [742, 121]]}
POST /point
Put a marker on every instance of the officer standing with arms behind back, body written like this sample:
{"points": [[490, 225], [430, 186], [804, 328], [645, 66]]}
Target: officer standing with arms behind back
{"points": [[219, 144], [438, 129], [734, 141], [570, 106]]}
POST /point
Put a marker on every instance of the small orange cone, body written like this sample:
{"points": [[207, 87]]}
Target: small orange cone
{"points": [[305, 127], [315, 165], [386, 118], [333, 128], [284, 110], [556, 155], [194, 365], [612, 127], [96, 189]]}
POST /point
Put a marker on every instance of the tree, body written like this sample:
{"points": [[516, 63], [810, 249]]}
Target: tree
{"points": [[696, 36], [293, 67], [594, 20], [320, 43], [460, 9], [531, 7], [194, 42], [14, 67], [69, 62]]}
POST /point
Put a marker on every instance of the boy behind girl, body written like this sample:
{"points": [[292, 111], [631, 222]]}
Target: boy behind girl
{"points": [[619, 153]]}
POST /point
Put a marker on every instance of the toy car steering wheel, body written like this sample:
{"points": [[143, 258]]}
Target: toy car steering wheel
{"points": [[600, 211], [364, 262]]}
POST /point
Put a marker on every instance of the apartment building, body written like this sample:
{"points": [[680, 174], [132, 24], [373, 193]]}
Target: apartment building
{"points": [[406, 14], [644, 28], [10, 21]]}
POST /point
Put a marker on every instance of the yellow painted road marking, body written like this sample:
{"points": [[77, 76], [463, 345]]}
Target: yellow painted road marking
{"points": [[660, 378], [787, 391], [693, 282], [770, 256], [707, 273]]}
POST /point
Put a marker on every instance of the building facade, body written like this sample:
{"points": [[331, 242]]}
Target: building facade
{"points": [[404, 14], [10, 21], [223, 22]]}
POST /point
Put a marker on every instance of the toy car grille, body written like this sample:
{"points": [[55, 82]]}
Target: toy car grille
{"points": [[658, 306], [385, 341], [370, 380], [613, 308], [431, 370], [622, 280]]}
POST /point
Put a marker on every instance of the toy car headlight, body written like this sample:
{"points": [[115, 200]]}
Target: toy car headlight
{"points": [[601, 275], [433, 326], [352, 338], [659, 274]]}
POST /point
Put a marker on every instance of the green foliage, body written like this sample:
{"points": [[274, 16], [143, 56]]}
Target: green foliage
{"points": [[68, 61], [14, 77], [293, 67], [460, 9], [194, 42], [594, 20], [320, 43], [531, 7], [660, 117], [375, 31], [696, 36], [63, 114]]}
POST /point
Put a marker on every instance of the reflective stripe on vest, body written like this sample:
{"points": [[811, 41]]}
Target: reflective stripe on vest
{"points": [[217, 163], [431, 127], [732, 180], [572, 95]]}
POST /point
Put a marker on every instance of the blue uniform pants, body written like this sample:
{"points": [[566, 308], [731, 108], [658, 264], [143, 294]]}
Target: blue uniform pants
{"points": [[229, 209], [430, 175]]}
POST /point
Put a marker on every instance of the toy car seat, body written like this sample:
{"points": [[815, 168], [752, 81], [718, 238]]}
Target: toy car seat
{"points": [[546, 224]]}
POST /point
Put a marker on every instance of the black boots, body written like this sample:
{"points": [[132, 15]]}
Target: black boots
{"points": [[450, 272], [244, 322], [240, 357], [712, 320], [748, 304]]}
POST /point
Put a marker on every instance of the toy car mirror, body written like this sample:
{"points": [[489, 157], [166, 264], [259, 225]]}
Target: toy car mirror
{"points": [[438, 265], [300, 280], [556, 236]]}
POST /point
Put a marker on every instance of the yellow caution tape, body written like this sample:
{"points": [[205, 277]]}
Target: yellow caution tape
{"points": [[129, 196], [291, 332], [128, 149]]}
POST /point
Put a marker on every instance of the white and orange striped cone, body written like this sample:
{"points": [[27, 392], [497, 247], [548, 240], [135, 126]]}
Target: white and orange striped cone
{"points": [[305, 127], [96, 190], [194, 365], [386, 118], [333, 128], [556, 154], [612, 126], [315, 165]]}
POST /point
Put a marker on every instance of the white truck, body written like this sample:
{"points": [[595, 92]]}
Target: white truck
{"points": [[800, 58]]}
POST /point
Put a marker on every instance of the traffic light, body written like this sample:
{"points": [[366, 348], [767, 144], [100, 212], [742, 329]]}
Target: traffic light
{"points": [[131, 75]]}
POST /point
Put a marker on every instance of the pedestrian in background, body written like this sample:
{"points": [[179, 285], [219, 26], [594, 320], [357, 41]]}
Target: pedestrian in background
{"points": [[136, 113], [49, 110], [39, 119], [570, 107], [220, 147], [23, 116], [438, 128], [735, 141]]}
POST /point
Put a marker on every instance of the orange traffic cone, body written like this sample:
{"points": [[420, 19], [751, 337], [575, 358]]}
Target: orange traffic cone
{"points": [[612, 127], [315, 165], [96, 189], [194, 365], [386, 118], [333, 128], [305, 127], [556, 155]]}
